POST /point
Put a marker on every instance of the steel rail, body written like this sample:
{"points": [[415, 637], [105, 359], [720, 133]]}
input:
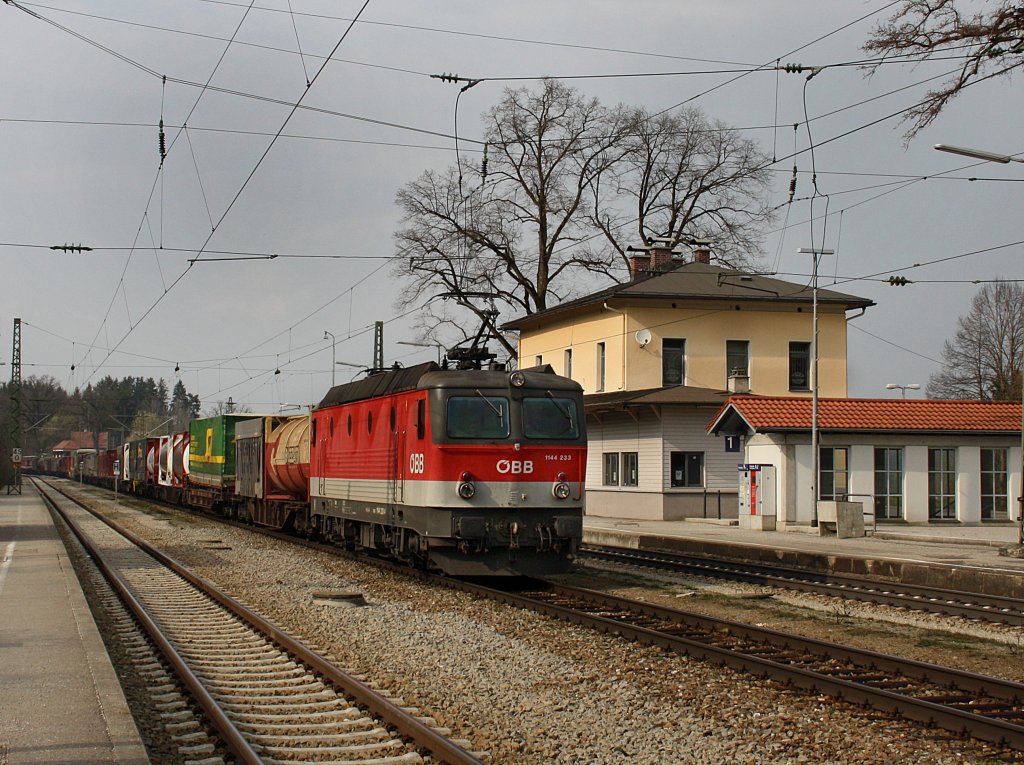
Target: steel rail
{"points": [[921, 710], [1008, 690], [971, 605], [441, 747], [228, 732]]}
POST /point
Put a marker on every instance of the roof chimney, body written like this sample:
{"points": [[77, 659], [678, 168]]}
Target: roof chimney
{"points": [[702, 251], [639, 263], [661, 254], [739, 382], [654, 257]]}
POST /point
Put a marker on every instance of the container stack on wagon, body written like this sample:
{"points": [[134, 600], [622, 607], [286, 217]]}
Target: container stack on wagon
{"points": [[212, 461]]}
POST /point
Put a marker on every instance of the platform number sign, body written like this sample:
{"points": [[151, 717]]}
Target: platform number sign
{"points": [[732, 443]]}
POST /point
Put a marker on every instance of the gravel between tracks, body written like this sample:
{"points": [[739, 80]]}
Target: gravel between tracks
{"points": [[529, 690]]}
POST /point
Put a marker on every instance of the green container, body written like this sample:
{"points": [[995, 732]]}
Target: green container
{"points": [[211, 450]]}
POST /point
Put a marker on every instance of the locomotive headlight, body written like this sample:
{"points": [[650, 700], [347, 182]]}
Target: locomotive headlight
{"points": [[466, 488], [561, 490], [518, 379]]}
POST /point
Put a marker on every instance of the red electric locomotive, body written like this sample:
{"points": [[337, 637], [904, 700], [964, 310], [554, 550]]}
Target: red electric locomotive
{"points": [[471, 472]]}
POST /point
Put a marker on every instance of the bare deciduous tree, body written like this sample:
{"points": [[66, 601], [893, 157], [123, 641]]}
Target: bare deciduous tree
{"points": [[508, 231], [992, 40], [685, 177], [984, 358], [566, 185]]}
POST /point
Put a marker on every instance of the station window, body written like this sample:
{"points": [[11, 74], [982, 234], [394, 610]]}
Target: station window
{"points": [[673, 361], [799, 366], [687, 469], [737, 358], [888, 482], [611, 469], [630, 468], [600, 367], [833, 473], [994, 499], [941, 484]]}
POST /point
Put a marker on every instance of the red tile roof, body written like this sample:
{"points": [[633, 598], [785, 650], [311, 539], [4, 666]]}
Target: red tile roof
{"points": [[80, 440], [763, 413]]}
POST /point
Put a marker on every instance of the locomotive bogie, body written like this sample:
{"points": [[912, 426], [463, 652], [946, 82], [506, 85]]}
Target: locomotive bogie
{"points": [[484, 543]]}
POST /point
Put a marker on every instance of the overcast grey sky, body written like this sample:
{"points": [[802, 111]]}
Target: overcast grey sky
{"points": [[79, 164]]}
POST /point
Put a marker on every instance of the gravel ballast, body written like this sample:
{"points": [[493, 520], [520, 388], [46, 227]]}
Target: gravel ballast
{"points": [[526, 689]]}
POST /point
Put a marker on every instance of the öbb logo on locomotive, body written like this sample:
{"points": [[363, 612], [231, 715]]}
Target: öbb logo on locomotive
{"points": [[515, 467]]}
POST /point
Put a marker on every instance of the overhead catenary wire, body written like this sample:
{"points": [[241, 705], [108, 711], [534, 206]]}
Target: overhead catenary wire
{"points": [[783, 56], [211, 364], [159, 175], [208, 251], [298, 43], [243, 186], [479, 143]]}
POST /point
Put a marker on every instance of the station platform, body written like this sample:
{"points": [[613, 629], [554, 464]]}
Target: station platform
{"points": [[60, 701], [969, 558]]}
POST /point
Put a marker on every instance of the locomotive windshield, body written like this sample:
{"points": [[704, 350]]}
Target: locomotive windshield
{"points": [[550, 417], [478, 416]]}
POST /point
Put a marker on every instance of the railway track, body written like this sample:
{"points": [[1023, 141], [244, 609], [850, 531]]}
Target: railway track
{"points": [[987, 708], [968, 605], [269, 698]]}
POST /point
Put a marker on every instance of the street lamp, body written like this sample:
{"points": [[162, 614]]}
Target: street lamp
{"points": [[333, 364], [903, 388], [986, 156], [1003, 159], [815, 253]]}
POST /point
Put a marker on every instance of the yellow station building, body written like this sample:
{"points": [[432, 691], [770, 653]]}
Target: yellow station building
{"points": [[659, 354]]}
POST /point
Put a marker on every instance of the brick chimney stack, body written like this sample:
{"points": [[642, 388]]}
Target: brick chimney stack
{"points": [[639, 264], [661, 255], [652, 258], [702, 251]]}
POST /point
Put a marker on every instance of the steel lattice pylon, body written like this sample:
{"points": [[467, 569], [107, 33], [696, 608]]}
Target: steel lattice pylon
{"points": [[14, 424]]}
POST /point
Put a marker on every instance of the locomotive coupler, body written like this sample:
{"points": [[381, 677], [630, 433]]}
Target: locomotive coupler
{"points": [[513, 535]]}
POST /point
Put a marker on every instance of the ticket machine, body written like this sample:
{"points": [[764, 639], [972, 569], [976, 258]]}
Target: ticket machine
{"points": [[757, 497]]}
